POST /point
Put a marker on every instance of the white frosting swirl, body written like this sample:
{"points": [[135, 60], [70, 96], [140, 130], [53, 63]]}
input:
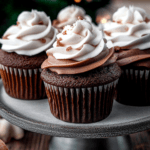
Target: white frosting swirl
{"points": [[83, 42], [33, 34], [132, 15], [130, 29], [70, 14]]}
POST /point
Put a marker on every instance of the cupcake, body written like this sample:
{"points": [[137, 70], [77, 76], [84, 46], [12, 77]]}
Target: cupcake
{"points": [[69, 15], [80, 74], [130, 34], [22, 53]]}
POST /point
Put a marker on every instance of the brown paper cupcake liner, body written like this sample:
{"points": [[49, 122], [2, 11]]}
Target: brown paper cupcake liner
{"points": [[133, 87], [23, 83], [81, 105]]}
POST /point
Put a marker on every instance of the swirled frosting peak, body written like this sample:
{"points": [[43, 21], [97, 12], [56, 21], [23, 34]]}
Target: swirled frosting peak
{"points": [[130, 29], [32, 34], [79, 48], [69, 15], [132, 15]]}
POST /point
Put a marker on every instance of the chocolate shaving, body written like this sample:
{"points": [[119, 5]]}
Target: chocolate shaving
{"points": [[64, 32], [107, 33], [80, 18], [119, 21], [40, 23], [68, 48], [42, 40], [59, 43], [18, 23], [147, 20], [6, 37]]}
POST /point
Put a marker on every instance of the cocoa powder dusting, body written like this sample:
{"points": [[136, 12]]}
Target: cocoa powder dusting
{"points": [[18, 37], [68, 48]]}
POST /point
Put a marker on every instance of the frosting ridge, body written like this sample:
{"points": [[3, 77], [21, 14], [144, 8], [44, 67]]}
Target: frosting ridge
{"points": [[33, 34], [69, 15], [132, 15], [80, 47], [130, 29], [134, 56]]}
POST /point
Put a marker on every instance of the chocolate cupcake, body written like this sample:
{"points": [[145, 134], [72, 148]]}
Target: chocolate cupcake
{"points": [[80, 75], [22, 53], [130, 34], [69, 15]]}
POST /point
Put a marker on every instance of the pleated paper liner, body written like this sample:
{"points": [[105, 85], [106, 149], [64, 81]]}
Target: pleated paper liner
{"points": [[134, 87], [23, 83], [81, 105]]}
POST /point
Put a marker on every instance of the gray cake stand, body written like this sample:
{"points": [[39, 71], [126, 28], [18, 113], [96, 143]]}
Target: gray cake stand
{"points": [[35, 116]]}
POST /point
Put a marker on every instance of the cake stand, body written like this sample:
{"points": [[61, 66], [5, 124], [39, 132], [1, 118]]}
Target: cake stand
{"points": [[108, 134]]}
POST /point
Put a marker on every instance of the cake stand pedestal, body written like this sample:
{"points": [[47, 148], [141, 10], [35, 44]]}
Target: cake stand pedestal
{"points": [[35, 116]]}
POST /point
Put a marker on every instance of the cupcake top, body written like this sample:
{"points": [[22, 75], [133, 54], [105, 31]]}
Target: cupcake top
{"points": [[79, 48], [32, 35], [130, 35], [69, 15], [130, 29]]}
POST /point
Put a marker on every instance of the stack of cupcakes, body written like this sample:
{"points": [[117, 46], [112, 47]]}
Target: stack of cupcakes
{"points": [[82, 69]]}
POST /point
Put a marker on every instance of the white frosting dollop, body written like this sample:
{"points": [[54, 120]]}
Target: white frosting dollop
{"points": [[82, 40], [70, 14], [130, 28], [132, 15], [32, 35]]}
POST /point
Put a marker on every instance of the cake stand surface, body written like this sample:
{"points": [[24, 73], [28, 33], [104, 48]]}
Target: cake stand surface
{"points": [[35, 116]]}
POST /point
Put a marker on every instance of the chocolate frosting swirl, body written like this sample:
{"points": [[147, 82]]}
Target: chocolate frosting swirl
{"points": [[135, 57], [79, 48]]}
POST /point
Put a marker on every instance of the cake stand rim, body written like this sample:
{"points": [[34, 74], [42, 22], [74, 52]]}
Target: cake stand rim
{"points": [[73, 131]]}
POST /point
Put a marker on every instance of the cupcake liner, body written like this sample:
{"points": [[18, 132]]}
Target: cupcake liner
{"points": [[81, 105], [22, 83], [133, 87]]}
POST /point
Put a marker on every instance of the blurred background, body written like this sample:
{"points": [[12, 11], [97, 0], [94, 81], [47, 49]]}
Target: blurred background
{"points": [[10, 9], [99, 10]]}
